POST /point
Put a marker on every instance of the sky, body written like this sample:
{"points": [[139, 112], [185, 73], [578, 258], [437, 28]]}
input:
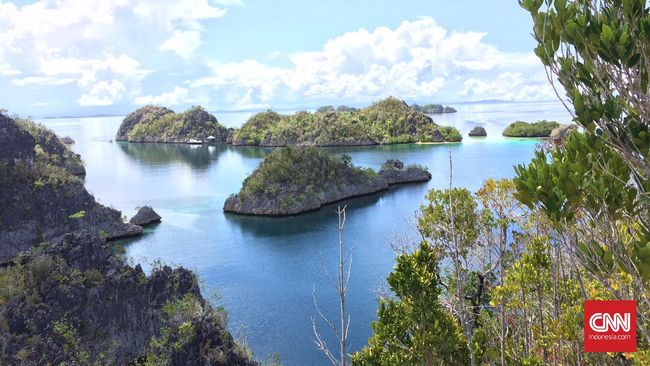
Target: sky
{"points": [[83, 57]]}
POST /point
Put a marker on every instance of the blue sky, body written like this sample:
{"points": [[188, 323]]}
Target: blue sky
{"points": [[81, 57]]}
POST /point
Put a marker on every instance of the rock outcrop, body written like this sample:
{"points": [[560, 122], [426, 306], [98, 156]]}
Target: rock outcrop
{"points": [[77, 304], [160, 124], [394, 172], [478, 131], [145, 114], [294, 180], [65, 299], [145, 216], [40, 196]]}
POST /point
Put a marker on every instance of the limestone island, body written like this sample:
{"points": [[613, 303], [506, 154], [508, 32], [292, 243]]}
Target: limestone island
{"points": [[160, 124], [433, 108], [477, 131], [294, 180], [524, 129], [388, 121]]}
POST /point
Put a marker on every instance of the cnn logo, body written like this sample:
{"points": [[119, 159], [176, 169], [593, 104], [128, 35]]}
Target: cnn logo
{"points": [[604, 322], [610, 326]]}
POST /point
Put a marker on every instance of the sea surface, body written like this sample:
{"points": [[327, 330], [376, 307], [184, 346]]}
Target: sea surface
{"points": [[264, 270]]}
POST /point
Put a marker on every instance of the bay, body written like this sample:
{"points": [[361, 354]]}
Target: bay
{"points": [[263, 270]]}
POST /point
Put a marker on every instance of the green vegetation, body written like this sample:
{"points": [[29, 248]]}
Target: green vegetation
{"points": [[573, 224], [296, 179], [413, 319], [432, 108], [195, 123], [389, 121], [525, 129]]}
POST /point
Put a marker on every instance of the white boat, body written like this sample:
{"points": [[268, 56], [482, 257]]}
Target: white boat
{"points": [[194, 142]]}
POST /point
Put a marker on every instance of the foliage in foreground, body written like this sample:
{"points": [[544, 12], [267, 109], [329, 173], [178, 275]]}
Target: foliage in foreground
{"points": [[413, 320]]}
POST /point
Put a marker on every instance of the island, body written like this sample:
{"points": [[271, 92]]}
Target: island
{"points": [[477, 131], [160, 124], [388, 121], [541, 128], [65, 298], [294, 180], [433, 108]]}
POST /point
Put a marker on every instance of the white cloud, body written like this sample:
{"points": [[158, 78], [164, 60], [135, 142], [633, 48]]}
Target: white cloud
{"points": [[417, 60], [99, 44], [102, 93], [42, 80], [184, 43], [177, 96]]}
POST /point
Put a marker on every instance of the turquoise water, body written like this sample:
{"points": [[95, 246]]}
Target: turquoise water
{"points": [[264, 269]]}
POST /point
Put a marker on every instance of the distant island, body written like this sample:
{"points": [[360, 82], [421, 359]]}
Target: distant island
{"points": [[524, 129], [388, 121], [160, 124], [293, 180], [433, 108]]}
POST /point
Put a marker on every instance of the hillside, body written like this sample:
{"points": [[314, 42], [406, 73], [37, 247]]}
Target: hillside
{"points": [[41, 196], [298, 179], [160, 124], [388, 121], [65, 299]]}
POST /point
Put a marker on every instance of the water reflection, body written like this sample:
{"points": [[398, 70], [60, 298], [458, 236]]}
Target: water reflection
{"points": [[304, 223], [196, 156]]}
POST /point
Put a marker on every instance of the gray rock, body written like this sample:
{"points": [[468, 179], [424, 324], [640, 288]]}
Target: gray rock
{"points": [[437, 136], [394, 172], [478, 131], [145, 216], [67, 140]]}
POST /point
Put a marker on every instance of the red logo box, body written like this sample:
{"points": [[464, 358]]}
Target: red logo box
{"points": [[610, 326]]}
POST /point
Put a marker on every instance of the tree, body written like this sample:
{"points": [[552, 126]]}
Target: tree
{"points": [[599, 51], [450, 221], [343, 271], [412, 327]]}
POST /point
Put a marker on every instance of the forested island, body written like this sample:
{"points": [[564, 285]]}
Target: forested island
{"points": [[524, 129], [65, 298], [388, 121], [433, 108], [160, 124], [293, 180]]}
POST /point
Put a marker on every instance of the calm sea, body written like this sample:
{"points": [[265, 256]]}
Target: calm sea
{"points": [[263, 270]]}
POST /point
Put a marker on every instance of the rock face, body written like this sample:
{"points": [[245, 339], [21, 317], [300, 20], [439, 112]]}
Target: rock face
{"points": [[143, 115], [79, 305], [145, 216], [66, 299], [159, 124], [295, 180], [478, 131], [40, 196], [560, 133], [394, 172]]}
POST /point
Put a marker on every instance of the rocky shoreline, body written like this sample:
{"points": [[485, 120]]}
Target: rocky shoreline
{"points": [[313, 179], [64, 297]]}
